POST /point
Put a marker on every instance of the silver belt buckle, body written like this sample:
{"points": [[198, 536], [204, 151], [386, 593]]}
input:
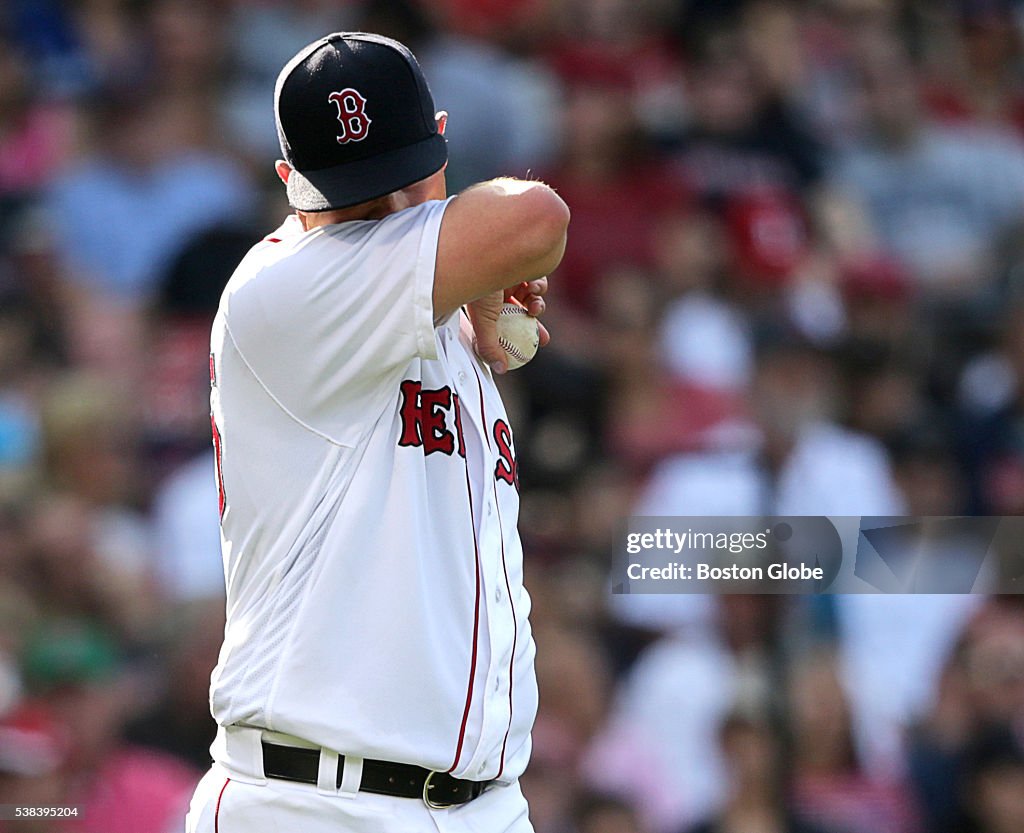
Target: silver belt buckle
{"points": [[427, 787]]}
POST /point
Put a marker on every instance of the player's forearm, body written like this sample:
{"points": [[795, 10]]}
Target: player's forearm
{"points": [[496, 235], [537, 218]]}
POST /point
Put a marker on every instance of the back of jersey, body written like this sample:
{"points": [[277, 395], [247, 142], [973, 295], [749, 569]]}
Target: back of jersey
{"points": [[314, 332]]}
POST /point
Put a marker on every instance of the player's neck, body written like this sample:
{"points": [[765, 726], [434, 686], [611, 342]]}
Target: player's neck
{"points": [[375, 210]]}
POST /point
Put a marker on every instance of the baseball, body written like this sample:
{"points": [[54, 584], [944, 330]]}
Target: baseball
{"points": [[518, 334]]}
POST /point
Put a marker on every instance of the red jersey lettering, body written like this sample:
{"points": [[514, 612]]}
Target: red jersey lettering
{"points": [[507, 469], [423, 415]]}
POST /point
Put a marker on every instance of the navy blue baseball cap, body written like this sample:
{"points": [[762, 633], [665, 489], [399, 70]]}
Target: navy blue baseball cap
{"points": [[356, 121]]}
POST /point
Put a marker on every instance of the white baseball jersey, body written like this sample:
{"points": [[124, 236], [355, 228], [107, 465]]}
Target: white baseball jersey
{"points": [[369, 500]]}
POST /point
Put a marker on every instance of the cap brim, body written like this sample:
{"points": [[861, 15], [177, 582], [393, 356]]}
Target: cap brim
{"points": [[367, 179]]}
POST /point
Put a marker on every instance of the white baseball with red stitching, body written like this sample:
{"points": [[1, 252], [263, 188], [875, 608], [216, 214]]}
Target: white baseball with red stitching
{"points": [[518, 334]]}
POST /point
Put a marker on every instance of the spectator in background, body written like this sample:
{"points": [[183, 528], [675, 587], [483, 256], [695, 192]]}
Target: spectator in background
{"points": [[152, 158], [995, 663], [739, 140], [79, 568], [174, 412], [938, 196], [802, 463], [90, 440], [36, 136], [575, 748], [121, 212], [90, 437], [979, 699], [178, 721], [989, 418], [649, 412], [881, 353], [834, 34], [680, 353], [892, 650], [186, 526], [624, 41], [927, 472], [935, 747], [681, 689], [185, 60], [33, 751], [705, 336], [84, 47], [74, 669], [619, 190], [994, 781], [980, 81], [771, 32], [579, 688], [792, 458], [757, 801], [595, 813], [831, 788]]}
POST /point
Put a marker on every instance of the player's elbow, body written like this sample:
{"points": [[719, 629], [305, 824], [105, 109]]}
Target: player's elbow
{"points": [[543, 228]]}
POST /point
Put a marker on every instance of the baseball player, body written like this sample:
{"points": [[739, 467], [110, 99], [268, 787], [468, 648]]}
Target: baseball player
{"points": [[377, 667]]}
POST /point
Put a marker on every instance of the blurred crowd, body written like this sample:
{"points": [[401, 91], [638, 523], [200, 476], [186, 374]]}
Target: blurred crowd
{"points": [[794, 285]]}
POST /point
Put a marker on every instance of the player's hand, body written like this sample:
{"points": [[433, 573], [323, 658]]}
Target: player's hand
{"points": [[483, 313], [531, 295]]}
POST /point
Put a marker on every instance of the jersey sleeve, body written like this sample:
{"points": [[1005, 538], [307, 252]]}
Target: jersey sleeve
{"points": [[329, 328]]}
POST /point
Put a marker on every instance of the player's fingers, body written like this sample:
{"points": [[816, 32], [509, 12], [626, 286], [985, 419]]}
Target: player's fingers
{"points": [[545, 336], [488, 348], [522, 292], [534, 304], [484, 316]]}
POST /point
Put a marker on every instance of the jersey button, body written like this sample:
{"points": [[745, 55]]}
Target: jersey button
{"points": [[490, 507], [482, 770], [497, 595], [462, 376]]}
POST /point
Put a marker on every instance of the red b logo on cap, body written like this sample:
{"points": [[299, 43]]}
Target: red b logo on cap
{"points": [[355, 124]]}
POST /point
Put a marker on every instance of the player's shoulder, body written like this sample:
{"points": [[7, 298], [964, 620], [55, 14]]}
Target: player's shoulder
{"points": [[292, 258], [268, 254], [292, 264], [290, 240], [386, 229]]}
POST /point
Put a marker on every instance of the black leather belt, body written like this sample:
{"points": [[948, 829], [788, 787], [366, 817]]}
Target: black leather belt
{"points": [[437, 789]]}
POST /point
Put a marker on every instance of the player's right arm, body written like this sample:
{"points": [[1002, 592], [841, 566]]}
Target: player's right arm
{"points": [[494, 236]]}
